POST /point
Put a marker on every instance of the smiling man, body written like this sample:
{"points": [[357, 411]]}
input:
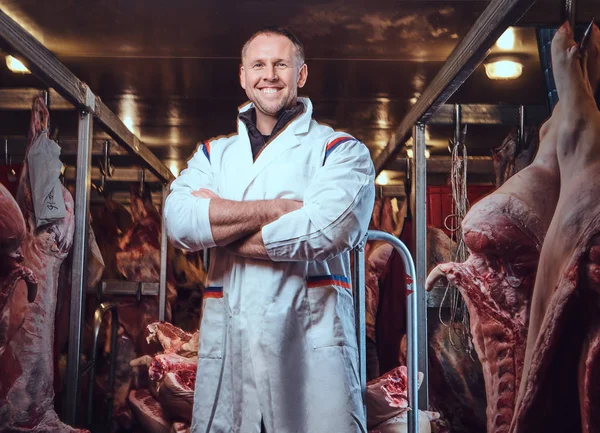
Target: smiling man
{"points": [[282, 202]]}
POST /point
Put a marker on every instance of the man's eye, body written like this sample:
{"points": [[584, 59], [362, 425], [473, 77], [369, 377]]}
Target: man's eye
{"points": [[281, 65], [257, 65]]}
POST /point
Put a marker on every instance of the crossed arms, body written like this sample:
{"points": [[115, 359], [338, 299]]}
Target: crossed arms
{"points": [[237, 225], [332, 218]]}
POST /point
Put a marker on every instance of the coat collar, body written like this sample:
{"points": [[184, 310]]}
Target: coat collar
{"points": [[283, 141]]}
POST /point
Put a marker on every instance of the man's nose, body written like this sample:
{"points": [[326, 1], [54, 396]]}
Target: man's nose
{"points": [[271, 74]]}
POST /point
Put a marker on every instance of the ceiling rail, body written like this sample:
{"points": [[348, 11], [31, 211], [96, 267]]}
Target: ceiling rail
{"points": [[41, 62], [465, 58]]}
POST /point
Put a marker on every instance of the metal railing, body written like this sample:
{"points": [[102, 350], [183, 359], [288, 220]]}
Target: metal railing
{"points": [[358, 284]]}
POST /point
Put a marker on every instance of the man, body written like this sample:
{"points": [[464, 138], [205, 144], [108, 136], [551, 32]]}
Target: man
{"points": [[283, 201]]}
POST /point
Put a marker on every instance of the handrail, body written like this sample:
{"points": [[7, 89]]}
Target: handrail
{"points": [[412, 319]]}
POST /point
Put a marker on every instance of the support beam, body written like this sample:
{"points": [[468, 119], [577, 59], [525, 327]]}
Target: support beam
{"points": [[442, 165], [51, 71], [469, 53], [79, 270], [162, 294], [490, 114], [419, 207]]}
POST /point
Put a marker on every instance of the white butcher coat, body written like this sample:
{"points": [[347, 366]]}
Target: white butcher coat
{"points": [[277, 338]]}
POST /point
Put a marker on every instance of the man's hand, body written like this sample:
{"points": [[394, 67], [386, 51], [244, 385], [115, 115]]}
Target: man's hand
{"points": [[204, 193]]}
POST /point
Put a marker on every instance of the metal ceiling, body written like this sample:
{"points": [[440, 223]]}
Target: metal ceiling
{"points": [[170, 69]]}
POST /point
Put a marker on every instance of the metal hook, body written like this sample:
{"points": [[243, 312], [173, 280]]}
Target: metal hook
{"points": [[6, 158], [570, 12], [586, 36], [521, 132], [106, 167], [142, 180]]}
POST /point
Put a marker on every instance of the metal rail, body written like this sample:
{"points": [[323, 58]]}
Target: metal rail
{"points": [[162, 292], [465, 58], [358, 293], [49, 69], [79, 270], [412, 354], [91, 367]]}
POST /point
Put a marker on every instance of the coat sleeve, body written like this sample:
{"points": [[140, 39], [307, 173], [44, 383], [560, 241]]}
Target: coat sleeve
{"points": [[337, 208], [186, 216]]}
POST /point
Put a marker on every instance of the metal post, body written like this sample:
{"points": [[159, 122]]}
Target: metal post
{"points": [[79, 271], [162, 291], [419, 197], [457, 123], [358, 291], [413, 321]]}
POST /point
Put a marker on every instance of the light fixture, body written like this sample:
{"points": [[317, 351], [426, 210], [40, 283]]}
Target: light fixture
{"points": [[174, 167], [128, 122], [16, 66], [410, 154], [503, 69], [382, 179], [507, 40]]}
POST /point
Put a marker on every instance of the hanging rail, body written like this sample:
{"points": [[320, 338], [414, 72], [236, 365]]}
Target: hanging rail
{"points": [[465, 58], [49, 69]]}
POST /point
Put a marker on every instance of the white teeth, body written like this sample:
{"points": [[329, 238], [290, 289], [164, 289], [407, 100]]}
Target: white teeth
{"points": [[269, 90]]}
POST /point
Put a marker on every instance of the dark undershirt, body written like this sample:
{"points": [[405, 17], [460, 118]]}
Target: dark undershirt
{"points": [[257, 139]]}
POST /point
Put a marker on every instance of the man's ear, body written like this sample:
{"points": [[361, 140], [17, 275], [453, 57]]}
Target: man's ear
{"points": [[302, 76], [242, 77]]}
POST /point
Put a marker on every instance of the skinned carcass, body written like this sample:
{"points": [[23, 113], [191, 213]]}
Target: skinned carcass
{"points": [[560, 389], [387, 404], [504, 234], [172, 373], [26, 383]]}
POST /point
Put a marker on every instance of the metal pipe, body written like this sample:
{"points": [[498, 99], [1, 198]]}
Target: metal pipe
{"points": [[570, 12], [457, 123], [413, 355], [205, 259], [521, 133], [79, 270], [358, 292], [419, 197], [91, 367], [162, 291]]}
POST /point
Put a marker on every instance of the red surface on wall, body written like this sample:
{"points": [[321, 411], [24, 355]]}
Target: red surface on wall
{"points": [[9, 176], [439, 203]]}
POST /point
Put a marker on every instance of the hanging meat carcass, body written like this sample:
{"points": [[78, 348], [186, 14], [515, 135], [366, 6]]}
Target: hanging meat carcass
{"points": [[513, 156], [504, 234], [26, 391], [560, 389]]}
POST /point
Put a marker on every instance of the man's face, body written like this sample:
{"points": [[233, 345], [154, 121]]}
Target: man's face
{"points": [[270, 73]]}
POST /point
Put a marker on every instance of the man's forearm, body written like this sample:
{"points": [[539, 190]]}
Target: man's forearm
{"points": [[232, 220], [252, 247]]}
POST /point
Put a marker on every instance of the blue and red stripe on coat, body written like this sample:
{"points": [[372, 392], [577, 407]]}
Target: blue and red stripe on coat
{"points": [[206, 150], [213, 292], [335, 143], [328, 280]]}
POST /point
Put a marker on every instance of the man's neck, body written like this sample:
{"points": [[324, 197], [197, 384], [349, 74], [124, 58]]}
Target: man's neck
{"points": [[265, 123]]}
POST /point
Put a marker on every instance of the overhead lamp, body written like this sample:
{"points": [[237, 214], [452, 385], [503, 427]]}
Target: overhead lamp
{"points": [[507, 40], [503, 69], [174, 167], [382, 179], [16, 66], [410, 154]]}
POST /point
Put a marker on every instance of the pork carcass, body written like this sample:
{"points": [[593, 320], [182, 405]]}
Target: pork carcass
{"points": [[26, 382], [560, 389], [12, 233], [148, 412], [511, 158], [504, 233], [387, 403]]}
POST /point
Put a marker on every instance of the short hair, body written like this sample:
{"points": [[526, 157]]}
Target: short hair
{"points": [[276, 30]]}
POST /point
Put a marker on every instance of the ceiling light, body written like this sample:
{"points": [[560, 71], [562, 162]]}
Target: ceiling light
{"points": [[503, 70], [410, 154], [174, 167], [16, 65], [128, 122], [507, 40], [382, 179]]}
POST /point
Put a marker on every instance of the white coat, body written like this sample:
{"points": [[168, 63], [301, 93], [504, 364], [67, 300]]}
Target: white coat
{"points": [[277, 338]]}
